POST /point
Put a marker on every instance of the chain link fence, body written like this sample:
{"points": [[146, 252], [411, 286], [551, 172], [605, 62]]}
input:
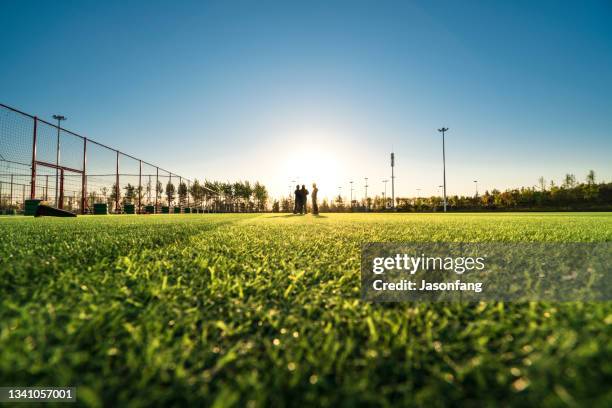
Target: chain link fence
{"points": [[40, 160]]}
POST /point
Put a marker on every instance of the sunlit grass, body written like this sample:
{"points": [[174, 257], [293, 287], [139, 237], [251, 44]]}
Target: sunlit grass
{"points": [[265, 308]]}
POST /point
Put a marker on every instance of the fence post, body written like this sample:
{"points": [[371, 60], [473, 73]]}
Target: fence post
{"points": [[84, 178], [33, 180], [57, 162], [61, 190], [188, 185], [139, 186], [47, 188], [156, 186], [11, 194], [117, 183]]}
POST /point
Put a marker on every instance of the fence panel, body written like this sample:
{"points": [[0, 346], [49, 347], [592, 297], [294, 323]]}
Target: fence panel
{"points": [[101, 174], [40, 160], [129, 179], [149, 178], [16, 132]]}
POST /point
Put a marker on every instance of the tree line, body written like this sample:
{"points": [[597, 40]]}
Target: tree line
{"points": [[239, 196], [569, 195]]}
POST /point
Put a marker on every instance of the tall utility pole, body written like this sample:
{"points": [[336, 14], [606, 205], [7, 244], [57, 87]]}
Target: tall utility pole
{"points": [[351, 182], [59, 119], [392, 181], [442, 130], [366, 194], [385, 193], [476, 182]]}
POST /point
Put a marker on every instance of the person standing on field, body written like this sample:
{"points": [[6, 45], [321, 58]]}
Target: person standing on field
{"points": [[297, 205], [313, 199], [304, 199]]}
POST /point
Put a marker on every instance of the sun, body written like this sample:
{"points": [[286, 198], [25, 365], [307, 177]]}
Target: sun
{"points": [[312, 164]]}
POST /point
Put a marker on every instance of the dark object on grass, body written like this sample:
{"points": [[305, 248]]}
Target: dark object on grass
{"points": [[31, 206], [48, 211], [150, 209], [129, 209], [100, 209]]}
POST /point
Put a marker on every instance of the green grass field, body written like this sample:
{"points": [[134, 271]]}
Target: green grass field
{"points": [[263, 310]]}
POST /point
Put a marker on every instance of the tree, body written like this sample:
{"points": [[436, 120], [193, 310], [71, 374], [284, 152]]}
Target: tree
{"points": [[261, 196], [590, 178], [170, 193], [569, 181], [228, 195], [130, 193], [542, 183], [182, 193], [159, 190], [197, 192], [286, 205], [113, 195], [275, 206], [324, 207]]}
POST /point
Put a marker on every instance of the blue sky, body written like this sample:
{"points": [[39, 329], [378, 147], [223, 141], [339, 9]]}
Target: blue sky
{"points": [[322, 91]]}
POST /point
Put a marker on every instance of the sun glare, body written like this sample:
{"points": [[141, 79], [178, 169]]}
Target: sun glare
{"points": [[314, 164]]}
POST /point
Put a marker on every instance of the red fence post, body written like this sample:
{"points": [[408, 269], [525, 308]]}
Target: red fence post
{"points": [[61, 190], [84, 178], [117, 183], [33, 180]]}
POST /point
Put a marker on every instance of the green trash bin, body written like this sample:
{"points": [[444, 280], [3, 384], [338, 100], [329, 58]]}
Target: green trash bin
{"points": [[150, 209], [177, 210], [165, 210], [100, 209], [129, 209], [31, 206]]}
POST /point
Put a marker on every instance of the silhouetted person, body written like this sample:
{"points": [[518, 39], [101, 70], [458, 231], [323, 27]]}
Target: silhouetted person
{"points": [[297, 206], [304, 199], [313, 199]]}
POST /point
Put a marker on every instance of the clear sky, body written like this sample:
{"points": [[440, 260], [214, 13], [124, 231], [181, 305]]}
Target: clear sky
{"points": [[323, 90]]}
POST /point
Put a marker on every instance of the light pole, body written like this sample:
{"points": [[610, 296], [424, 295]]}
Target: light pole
{"points": [[59, 119], [351, 182], [442, 130], [476, 182], [392, 180], [385, 193], [418, 192], [366, 193], [340, 193]]}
